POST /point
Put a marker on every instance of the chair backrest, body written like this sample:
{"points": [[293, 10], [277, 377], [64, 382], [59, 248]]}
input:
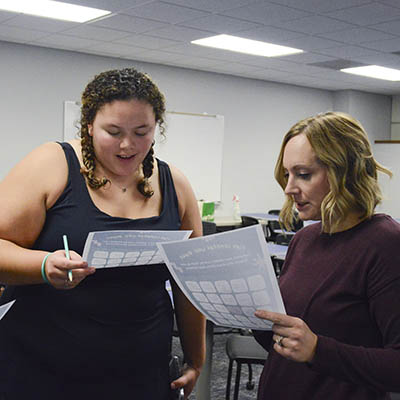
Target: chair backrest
{"points": [[283, 239], [274, 212], [272, 226], [297, 224], [209, 227], [248, 221]]}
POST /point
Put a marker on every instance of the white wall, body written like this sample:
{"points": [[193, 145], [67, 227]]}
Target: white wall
{"points": [[372, 110], [375, 113], [389, 155], [395, 135], [36, 81]]}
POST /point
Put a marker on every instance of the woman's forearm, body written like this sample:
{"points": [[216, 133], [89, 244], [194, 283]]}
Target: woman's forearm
{"points": [[18, 265]]}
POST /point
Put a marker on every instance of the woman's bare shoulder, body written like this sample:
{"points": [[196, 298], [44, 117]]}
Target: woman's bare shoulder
{"points": [[44, 171]]}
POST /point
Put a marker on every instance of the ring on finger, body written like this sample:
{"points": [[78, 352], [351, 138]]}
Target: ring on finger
{"points": [[279, 341]]}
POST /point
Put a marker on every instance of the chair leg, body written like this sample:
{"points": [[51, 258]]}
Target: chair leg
{"points": [[237, 381], [228, 381], [250, 383]]}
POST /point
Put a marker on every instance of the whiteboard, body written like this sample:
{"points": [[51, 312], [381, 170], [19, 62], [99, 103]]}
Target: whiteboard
{"points": [[193, 143]]}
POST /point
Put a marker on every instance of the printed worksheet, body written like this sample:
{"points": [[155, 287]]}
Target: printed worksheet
{"points": [[5, 307], [227, 276], [109, 249]]}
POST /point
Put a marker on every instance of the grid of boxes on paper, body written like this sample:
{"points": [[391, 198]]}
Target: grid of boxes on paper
{"points": [[232, 302]]}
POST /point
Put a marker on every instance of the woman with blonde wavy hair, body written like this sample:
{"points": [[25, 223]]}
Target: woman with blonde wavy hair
{"points": [[340, 281]]}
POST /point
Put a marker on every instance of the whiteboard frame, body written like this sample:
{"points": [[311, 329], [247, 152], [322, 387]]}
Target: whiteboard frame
{"points": [[72, 115], [207, 162]]}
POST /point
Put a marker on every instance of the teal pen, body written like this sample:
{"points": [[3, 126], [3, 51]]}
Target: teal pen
{"points": [[66, 248]]}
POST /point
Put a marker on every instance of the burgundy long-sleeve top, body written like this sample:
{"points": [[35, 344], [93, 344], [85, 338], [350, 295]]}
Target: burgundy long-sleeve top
{"points": [[346, 287]]}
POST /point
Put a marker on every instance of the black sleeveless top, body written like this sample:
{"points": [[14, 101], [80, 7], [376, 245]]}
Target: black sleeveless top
{"points": [[116, 324]]}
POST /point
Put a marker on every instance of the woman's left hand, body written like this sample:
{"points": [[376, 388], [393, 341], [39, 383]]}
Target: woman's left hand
{"points": [[293, 338], [187, 380]]}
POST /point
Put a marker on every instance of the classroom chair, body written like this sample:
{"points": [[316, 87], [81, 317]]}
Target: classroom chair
{"points": [[283, 238], [248, 221], [274, 212], [273, 229], [209, 227], [242, 349]]}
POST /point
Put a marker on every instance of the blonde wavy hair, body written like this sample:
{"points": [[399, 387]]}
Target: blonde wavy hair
{"points": [[342, 146]]}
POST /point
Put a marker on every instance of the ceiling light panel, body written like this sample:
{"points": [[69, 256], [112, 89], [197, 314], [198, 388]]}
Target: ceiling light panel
{"points": [[53, 9], [375, 71], [247, 46]]}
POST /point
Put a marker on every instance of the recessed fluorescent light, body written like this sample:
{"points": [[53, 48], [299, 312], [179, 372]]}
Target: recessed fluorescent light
{"points": [[248, 46], [53, 9], [375, 71]]}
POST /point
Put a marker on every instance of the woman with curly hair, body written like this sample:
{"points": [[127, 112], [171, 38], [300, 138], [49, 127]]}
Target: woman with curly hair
{"points": [[103, 333], [340, 281]]}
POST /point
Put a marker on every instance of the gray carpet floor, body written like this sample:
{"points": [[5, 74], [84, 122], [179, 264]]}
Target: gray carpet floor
{"points": [[220, 372]]}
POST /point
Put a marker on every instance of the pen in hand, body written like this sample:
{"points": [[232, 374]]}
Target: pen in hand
{"points": [[66, 248]]}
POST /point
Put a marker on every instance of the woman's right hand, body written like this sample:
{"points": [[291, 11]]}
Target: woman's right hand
{"points": [[57, 266]]}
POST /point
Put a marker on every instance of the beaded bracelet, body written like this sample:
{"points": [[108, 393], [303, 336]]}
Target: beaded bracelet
{"points": [[44, 276]]}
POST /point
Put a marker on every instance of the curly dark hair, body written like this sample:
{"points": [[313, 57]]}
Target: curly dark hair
{"points": [[106, 87]]}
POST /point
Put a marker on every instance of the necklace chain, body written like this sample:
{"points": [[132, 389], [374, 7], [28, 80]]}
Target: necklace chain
{"points": [[123, 189]]}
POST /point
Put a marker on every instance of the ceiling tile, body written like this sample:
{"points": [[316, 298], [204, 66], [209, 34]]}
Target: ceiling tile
{"points": [[270, 74], [393, 3], [165, 12], [64, 41], [348, 52], [128, 23], [383, 59], [389, 27], [310, 43], [270, 34], [5, 15], [238, 68], [357, 35], [148, 42], [117, 50], [318, 6], [315, 24], [367, 14], [158, 56], [194, 62], [216, 54], [387, 46], [211, 5], [277, 63], [337, 64], [307, 58], [110, 5], [179, 33], [39, 23], [220, 24], [96, 33], [265, 13], [15, 34]]}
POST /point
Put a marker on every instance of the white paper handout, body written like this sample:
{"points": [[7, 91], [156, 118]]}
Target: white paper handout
{"points": [[106, 249], [227, 276], [5, 307]]}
